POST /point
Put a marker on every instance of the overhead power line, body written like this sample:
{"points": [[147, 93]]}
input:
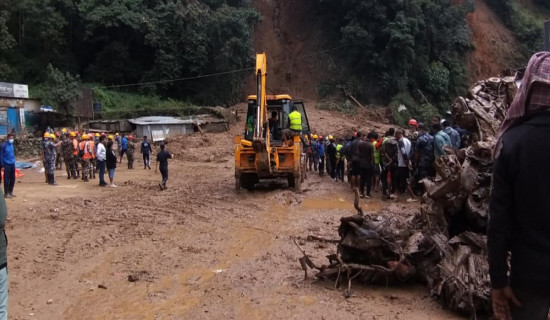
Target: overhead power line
{"points": [[216, 74]]}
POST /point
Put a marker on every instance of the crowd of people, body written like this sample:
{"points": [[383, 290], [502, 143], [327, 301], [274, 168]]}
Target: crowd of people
{"points": [[393, 163], [84, 155]]}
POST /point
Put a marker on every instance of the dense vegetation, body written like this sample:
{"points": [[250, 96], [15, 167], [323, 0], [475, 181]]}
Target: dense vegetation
{"points": [[390, 52], [527, 26], [129, 41], [402, 52]]}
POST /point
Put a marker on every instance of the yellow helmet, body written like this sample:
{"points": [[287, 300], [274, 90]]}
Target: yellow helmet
{"points": [[330, 137], [84, 137], [315, 136], [64, 130], [117, 133], [96, 134], [72, 134], [110, 137], [52, 136], [47, 135]]}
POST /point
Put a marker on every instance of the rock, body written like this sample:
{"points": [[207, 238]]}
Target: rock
{"points": [[50, 301], [102, 286]]}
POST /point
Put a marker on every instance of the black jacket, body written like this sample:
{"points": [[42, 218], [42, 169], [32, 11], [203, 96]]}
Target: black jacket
{"points": [[519, 209], [111, 159]]}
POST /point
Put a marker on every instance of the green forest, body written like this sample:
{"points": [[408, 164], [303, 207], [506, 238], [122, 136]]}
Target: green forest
{"points": [[410, 52]]}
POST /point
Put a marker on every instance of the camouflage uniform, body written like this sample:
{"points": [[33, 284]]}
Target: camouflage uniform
{"points": [[49, 157], [84, 162], [76, 160], [130, 154], [58, 158], [425, 149], [67, 152]]}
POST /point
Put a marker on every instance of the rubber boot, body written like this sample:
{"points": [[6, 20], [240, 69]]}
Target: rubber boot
{"points": [[68, 175], [52, 180]]}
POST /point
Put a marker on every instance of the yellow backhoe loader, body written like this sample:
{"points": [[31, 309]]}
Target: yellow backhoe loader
{"points": [[266, 150]]}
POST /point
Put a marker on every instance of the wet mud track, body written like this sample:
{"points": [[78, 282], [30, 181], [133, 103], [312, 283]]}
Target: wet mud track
{"points": [[198, 250]]}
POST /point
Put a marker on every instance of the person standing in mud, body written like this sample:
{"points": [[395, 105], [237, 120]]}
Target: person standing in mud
{"points": [[3, 261], [162, 165], [146, 150], [67, 153], [321, 152], [130, 152], [48, 155], [518, 237]]}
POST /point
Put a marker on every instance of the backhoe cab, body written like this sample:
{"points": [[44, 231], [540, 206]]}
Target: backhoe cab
{"points": [[262, 152]]}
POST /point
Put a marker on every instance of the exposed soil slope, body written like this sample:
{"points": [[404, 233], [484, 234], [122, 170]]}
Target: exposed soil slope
{"points": [[494, 44]]}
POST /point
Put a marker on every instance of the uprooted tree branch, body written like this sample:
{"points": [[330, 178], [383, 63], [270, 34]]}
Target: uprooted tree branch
{"points": [[444, 245]]}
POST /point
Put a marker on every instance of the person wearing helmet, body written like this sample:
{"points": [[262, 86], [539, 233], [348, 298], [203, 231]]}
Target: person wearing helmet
{"points": [[314, 152], [58, 154], [331, 157], [48, 157], [130, 152], [67, 152], [75, 173], [93, 165], [85, 151], [7, 162], [340, 159], [321, 153]]}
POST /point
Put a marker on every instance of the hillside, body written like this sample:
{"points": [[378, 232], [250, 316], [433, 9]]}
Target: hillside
{"points": [[292, 29]]}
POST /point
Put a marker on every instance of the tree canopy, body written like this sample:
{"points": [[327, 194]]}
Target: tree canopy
{"points": [[130, 41]]}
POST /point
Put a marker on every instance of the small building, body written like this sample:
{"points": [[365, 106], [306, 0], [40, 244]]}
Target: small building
{"points": [[161, 128], [109, 126], [13, 99]]}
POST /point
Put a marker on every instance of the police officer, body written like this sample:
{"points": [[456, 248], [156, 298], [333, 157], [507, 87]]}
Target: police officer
{"points": [[48, 156], [130, 152], [67, 153]]}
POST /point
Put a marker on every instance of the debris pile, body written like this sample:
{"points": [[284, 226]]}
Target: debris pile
{"points": [[445, 244], [28, 147]]}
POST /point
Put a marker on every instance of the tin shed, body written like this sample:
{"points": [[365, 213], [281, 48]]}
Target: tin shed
{"points": [[160, 128]]}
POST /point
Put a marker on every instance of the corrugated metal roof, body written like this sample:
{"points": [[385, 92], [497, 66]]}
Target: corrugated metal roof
{"points": [[159, 120]]}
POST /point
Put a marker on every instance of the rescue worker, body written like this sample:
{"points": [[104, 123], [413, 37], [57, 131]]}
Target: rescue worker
{"points": [[331, 157], [130, 152], [74, 164], [314, 152], [67, 152], [295, 125], [58, 154], [321, 153], [48, 157], [85, 150], [309, 152], [91, 174], [340, 160], [118, 140]]}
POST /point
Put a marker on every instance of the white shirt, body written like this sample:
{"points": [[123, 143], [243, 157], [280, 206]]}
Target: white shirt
{"points": [[101, 153], [406, 149]]}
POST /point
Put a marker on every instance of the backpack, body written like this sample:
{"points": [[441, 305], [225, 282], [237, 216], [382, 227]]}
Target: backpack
{"points": [[391, 149], [81, 150]]}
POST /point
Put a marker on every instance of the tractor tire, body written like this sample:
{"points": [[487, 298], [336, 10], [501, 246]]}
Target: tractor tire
{"points": [[295, 182], [248, 181]]}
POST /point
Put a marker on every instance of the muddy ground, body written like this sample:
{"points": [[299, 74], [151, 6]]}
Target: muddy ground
{"points": [[198, 250]]}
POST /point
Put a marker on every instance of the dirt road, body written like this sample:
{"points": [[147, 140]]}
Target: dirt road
{"points": [[198, 250]]}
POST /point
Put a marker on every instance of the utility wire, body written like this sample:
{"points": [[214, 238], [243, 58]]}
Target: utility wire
{"points": [[218, 73]]}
